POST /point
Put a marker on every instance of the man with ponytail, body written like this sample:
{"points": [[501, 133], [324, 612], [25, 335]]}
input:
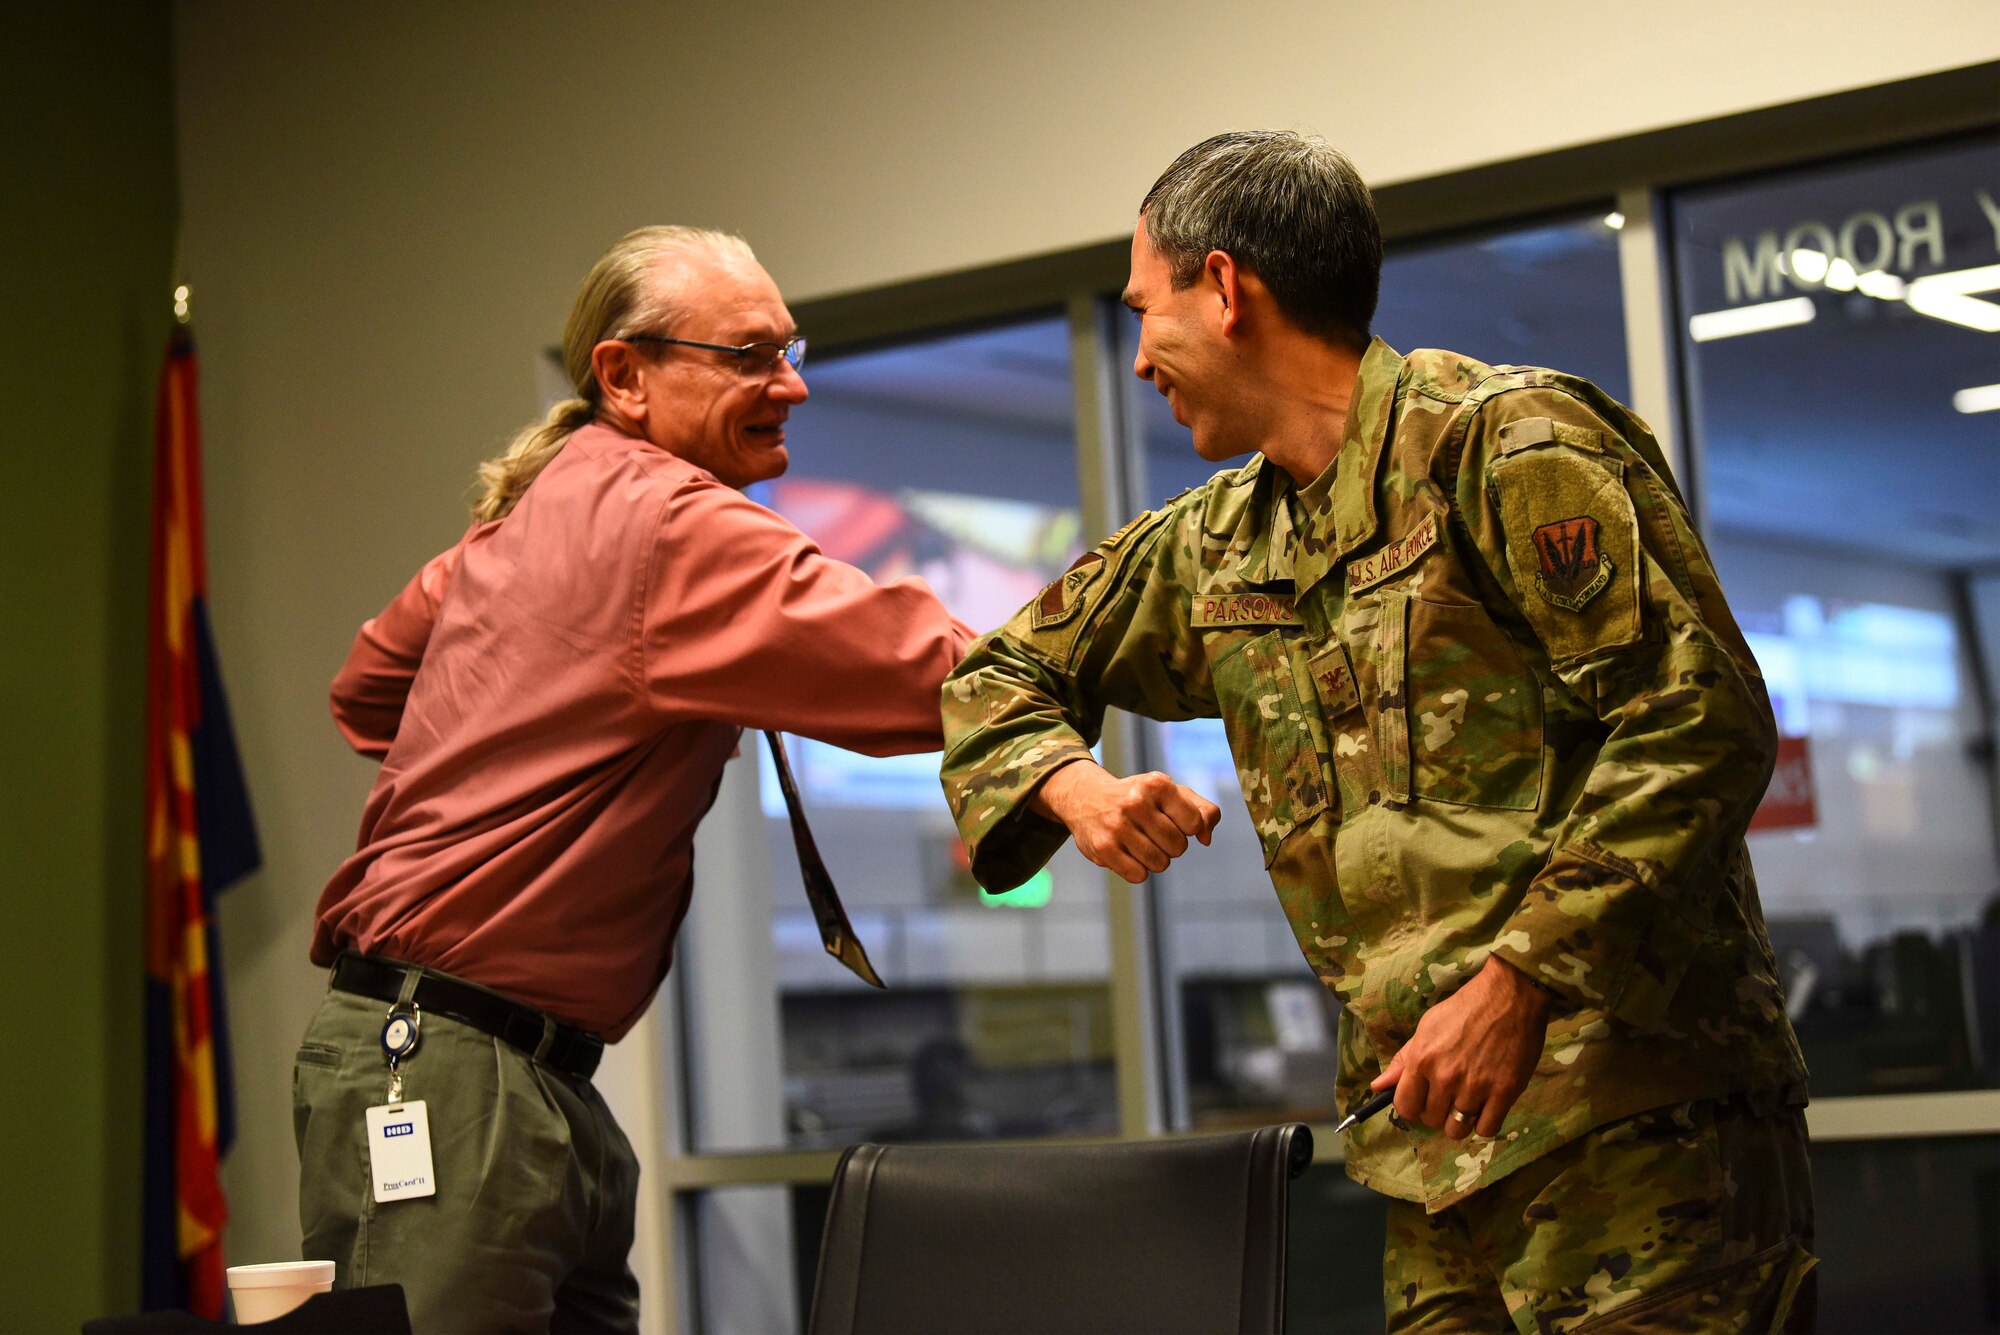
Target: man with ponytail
{"points": [[553, 701]]}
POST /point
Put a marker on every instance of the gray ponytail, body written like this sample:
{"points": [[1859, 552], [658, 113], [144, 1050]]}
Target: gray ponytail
{"points": [[615, 300], [505, 477]]}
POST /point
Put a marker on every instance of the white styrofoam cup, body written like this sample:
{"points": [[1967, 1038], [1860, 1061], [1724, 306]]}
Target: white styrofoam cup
{"points": [[264, 1292]]}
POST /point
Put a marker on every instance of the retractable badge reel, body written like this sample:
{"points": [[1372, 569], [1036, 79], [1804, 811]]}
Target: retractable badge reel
{"points": [[399, 1134], [401, 1031]]}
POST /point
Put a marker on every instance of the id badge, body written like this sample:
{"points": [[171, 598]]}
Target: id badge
{"points": [[399, 1151]]}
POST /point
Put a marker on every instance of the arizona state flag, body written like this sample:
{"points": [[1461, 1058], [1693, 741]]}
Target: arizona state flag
{"points": [[199, 839]]}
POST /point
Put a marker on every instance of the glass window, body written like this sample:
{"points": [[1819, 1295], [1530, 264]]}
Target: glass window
{"points": [[1253, 1030], [1531, 296], [1909, 1235], [1535, 296], [1842, 363], [754, 1254], [952, 459]]}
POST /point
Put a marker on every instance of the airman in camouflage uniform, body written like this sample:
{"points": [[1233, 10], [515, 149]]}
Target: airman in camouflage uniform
{"points": [[1485, 700]]}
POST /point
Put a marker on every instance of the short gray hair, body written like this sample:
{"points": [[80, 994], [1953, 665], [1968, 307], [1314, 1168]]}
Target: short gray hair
{"points": [[1286, 206]]}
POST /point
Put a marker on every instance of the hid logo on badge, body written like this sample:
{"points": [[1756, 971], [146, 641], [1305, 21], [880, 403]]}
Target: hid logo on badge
{"points": [[399, 1151]]}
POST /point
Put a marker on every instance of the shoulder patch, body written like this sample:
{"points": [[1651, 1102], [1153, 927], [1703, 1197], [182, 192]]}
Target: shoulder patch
{"points": [[1573, 568], [1059, 621], [1063, 598], [1573, 546]]}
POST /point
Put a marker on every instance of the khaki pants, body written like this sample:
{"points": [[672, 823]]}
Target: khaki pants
{"points": [[531, 1226], [1696, 1217]]}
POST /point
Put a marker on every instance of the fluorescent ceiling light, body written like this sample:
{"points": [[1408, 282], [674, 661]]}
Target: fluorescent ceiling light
{"points": [[1983, 279], [1809, 265], [1882, 286], [1751, 319], [1815, 266], [1954, 307], [1978, 399], [1946, 296]]}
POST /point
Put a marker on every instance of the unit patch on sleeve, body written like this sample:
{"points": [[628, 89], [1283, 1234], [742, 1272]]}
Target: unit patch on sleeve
{"points": [[1213, 611], [1390, 561], [1060, 601], [1572, 569], [1572, 538]]}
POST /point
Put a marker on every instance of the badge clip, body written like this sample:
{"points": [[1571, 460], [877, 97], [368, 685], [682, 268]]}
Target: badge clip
{"points": [[401, 1031]]}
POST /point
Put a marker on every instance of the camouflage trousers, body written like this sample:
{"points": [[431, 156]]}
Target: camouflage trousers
{"points": [[1695, 1217]]}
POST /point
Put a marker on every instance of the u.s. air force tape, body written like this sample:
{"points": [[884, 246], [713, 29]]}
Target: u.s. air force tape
{"points": [[1391, 560]]}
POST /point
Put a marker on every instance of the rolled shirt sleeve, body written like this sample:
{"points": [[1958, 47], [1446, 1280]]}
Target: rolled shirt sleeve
{"points": [[1570, 509]]}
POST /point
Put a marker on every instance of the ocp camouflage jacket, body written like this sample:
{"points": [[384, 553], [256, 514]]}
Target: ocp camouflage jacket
{"points": [[1483, 694]]}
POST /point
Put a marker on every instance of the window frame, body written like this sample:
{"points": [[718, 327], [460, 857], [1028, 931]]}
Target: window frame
{"points": [[1631, 175]]}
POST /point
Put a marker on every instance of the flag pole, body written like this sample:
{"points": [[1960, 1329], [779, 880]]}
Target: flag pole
{"points": [[199, 838]]}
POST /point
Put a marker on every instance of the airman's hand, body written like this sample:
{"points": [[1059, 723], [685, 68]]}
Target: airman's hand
{"points": [[1132, 826], [1472, 1054]]}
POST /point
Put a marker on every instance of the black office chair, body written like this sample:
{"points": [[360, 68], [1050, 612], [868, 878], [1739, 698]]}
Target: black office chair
{"points": [[378, 1309], [1146, 1236]]}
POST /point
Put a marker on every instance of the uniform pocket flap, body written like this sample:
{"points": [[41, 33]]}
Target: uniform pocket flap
{"points": [[1271, 737]]}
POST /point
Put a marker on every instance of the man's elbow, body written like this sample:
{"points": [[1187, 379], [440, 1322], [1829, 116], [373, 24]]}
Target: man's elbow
{"points": [[916, 741], [361, 725], [1760, 737]]}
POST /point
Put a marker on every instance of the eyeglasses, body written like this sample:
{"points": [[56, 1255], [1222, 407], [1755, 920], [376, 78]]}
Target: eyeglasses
{"points": [[754, 357]]}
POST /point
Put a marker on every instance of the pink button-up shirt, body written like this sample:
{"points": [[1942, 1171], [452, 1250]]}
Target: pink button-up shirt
{"points": [[554, 699]]}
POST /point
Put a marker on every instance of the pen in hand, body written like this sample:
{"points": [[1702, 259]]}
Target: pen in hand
{"points": [[1370, 1106]]}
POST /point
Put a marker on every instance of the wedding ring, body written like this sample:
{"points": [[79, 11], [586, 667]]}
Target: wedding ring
{"points": [[1458, 1116]]}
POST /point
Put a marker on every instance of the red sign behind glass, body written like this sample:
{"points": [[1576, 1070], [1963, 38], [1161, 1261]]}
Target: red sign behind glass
{"points": [[1788, 803]]}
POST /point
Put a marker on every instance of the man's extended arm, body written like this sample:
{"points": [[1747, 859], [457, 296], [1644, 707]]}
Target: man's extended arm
{"points": [[745, 620], [1023, 710]]}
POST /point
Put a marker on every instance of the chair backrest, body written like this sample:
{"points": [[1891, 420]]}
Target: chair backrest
{"points": [[378, 1309], [1148, 1237]]}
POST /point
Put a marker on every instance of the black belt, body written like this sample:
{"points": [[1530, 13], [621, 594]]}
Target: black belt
{"points": [[548, 1040]]}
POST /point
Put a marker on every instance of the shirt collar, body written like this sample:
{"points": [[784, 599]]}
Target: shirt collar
{"points": [[1320, 523]]}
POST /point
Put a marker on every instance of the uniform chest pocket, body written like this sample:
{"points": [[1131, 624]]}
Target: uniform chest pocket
{"points": [[1471, 711], [1274, 736]]}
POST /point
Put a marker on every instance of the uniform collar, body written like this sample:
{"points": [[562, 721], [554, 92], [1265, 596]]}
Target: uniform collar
{"points": [[1321, 523]]}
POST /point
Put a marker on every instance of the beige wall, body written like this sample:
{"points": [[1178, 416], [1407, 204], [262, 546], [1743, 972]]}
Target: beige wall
{"points": [[387, 208], [86, 247]]}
